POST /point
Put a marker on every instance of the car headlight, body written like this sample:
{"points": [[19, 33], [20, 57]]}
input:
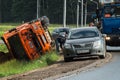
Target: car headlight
{"points": [[67, 45], [97, 44], [107, 38]]}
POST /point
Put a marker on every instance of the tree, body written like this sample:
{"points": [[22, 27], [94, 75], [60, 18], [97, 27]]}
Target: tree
{"points": [[6, 13], [0, 12], [24, 10], [53, 9], [71, 11]]}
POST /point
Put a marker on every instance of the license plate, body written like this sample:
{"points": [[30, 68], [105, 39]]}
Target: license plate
{"points": [[82, 51]]}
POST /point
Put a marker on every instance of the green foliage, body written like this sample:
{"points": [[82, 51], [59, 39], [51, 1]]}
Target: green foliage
{"points": [[5, 27], [9, 24], [51, 58], [6, 6], [24, 10], [3, 48], [17, 67], [1, 33]]}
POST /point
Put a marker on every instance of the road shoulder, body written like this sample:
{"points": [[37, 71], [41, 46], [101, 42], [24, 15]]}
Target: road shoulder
{"points": [[97, 63], [60, 69]]}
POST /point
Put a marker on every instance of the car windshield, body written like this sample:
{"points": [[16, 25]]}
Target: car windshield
{"points": [[78, 34]]}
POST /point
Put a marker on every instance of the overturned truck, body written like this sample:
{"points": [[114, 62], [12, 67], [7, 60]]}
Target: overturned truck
{"points": [[28, 41]]}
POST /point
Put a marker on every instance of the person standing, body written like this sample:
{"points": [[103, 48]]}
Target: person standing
{"points": [[55, 36]]}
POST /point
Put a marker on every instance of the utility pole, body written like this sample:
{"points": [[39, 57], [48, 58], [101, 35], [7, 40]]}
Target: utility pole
{"points": [[81, 13], [38, 9], [85, 13], [78, 13], [64, 14]]}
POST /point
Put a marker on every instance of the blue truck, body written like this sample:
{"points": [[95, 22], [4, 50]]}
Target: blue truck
{"points": [[108, 16]]}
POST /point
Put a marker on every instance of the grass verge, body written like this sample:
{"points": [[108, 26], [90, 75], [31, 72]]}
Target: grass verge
{"points": [[17, 67], [5, 27], [3, 48]]}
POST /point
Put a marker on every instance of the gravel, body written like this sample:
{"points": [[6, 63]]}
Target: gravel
{"points": [[56, 69]]}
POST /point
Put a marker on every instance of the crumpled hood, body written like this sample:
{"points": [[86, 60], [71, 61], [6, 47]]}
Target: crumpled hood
{"points": [[85, 40]]}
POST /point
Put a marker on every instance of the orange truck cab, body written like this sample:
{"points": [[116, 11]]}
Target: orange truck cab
{"points": [[28, 41]]}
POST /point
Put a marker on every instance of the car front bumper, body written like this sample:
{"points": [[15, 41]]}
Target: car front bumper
{"points": [[73, 52]]}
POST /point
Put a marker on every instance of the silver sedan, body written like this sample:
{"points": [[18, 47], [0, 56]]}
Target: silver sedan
{"points": [[84, 41]]}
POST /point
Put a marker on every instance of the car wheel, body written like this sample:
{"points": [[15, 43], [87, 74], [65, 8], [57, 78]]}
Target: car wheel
{"points": [[104, 54], [101, 56], [68, 59]]}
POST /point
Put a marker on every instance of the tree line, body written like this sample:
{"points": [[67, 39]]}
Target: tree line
{"points": [[26, 10]]}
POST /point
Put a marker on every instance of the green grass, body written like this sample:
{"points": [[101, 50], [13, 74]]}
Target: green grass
{"points": [[17, 67], [3, 48], [10, 24], [1, 33], [5, 27]]}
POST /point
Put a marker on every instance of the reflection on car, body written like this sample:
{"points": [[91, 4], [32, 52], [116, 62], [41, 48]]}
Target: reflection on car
{"points": [[83, 42]]}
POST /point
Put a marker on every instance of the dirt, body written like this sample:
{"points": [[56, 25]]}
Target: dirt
{"points": [[55, 69]]}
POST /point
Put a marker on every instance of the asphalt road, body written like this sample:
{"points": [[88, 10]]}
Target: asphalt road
{"points": [[109, 71]]}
